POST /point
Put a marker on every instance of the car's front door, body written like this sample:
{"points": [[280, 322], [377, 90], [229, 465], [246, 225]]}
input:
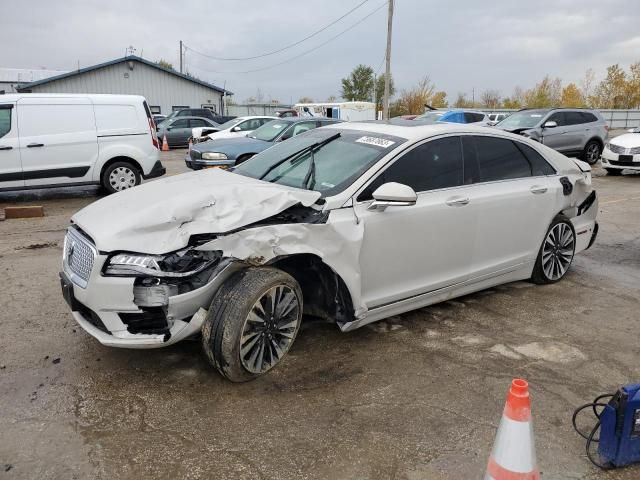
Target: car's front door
{"points": [[178, 132], [513, 196], [10, 165], [411, 250], [556, 137]]}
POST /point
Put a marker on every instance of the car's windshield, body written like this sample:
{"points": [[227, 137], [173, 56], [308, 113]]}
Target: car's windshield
{"points": [[524, 119], [270, 130], [231, 123], [344, 157]]}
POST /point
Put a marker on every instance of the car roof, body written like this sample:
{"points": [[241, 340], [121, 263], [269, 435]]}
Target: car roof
{"points": [[186, 117], [249, 117], [418, 131]]}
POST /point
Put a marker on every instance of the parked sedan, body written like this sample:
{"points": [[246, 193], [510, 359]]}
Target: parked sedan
{"points": [[178, 129], [622, 153], [228, 152], [352, 223], [237, 127]]}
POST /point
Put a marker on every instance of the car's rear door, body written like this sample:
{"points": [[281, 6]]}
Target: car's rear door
{"points": [[576, 131], [58, 140], [412, 250], [513, 194], [10, 165]]}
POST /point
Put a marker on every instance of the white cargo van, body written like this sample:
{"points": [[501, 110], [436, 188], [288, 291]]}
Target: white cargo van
{"points": [[62, 139]]}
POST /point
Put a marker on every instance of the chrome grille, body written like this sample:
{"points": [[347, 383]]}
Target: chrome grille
{"points": [[78, 257], [624, 151]]}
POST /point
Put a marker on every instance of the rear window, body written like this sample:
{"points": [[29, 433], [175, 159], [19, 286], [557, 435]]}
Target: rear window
{"points": [[574, 118], [5, 120]]}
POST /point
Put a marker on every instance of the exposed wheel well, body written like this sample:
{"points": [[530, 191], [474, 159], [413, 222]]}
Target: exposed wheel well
{"points": [[120, 159], [244, 157], [324, 293], [596, 139]]}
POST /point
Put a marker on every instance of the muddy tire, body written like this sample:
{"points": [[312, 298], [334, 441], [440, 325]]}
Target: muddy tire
{"points": [[556, 252], [614, 172], [252, 322], [120, 176]]}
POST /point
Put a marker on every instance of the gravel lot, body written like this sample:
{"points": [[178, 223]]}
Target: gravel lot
{"points": [[412, 397]]}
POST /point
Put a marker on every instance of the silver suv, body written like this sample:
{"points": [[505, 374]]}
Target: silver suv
{"points": [[569, 131]]}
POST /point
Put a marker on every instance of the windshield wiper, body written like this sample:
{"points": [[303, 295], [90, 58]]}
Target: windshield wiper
{"points": [[311, 147]]}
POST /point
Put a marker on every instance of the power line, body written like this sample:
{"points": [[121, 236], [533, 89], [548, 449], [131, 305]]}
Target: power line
{"points": [[305, 52], [283, 48]]}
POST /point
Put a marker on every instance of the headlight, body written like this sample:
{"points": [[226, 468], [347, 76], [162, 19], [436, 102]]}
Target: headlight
{"points": [[213, 156], [180, 264]]}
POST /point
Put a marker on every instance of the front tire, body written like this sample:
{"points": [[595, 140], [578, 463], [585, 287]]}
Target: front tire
{"points": [[253, 320], [614, 172], [120, 176], [591, 153], [556, 253]]}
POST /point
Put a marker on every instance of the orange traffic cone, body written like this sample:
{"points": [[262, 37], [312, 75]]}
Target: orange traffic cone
{"points": [[514, 455], [190, 143], [165, 144]]}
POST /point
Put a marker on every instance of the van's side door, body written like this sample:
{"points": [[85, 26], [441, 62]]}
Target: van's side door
{"points": [[58, 142], [10, 166]]}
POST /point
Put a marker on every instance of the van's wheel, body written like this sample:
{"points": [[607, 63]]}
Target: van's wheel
{"points": [[556, 253], [591, 152], [120, 176], [252, 322], [614, 172]]}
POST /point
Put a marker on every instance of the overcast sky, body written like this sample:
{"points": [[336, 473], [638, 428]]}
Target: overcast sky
{"points": [[460, 44]]}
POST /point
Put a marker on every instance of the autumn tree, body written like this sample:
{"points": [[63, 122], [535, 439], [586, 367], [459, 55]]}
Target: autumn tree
{"points": [[462, 101], [490, 99], [358, 86], [547, 93], [439, 100], [305, 100], [587, 85], [633, 86], [331, 99], [572, 97], [380, 90], [612, 91], [164, 64], [413, 101]]}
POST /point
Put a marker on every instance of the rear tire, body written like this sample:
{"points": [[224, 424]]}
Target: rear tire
{"points": [[556, 252], [252, 322], [614, 172], [591, 153], [120, 176]]}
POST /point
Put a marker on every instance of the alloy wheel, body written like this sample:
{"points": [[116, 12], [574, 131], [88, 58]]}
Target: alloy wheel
{"points": [[269, 329], [122, 178], [557, 251], [593, 153]]}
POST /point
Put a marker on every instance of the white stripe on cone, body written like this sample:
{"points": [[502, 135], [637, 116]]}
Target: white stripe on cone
{"points": [[514, 447]]}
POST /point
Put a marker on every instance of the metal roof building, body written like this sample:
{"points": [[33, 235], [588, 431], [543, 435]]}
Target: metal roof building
{"points": [[10, 78], [165, 89]]}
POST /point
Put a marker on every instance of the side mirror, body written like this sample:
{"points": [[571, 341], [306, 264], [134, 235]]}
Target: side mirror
{"points": [[235, 129], [550, 124], [169, 128], [393, 194]]}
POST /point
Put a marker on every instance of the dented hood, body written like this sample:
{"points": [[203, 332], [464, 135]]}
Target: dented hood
{"points": [[160, 216]]}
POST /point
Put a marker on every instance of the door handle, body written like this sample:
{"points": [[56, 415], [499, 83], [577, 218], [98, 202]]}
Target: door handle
{"points": [[457, 201], [33, 145], [5, 147], [538, 189]]}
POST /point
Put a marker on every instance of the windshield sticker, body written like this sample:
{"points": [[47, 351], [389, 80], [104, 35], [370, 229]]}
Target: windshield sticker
{"points": [[376, 142], [276, 126], [535, 115]]}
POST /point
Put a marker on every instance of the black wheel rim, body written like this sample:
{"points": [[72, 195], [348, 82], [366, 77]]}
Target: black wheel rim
{"points": [[269, 329], [557, 251], [593, 153]]}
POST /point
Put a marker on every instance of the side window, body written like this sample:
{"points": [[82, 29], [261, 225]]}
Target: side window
{"points": [[5, 120], [574, 118], [430, 166], [470, 117], [197, 122], [245, 126], [559, 118], [303, 127], [539, 166], [262, 121], [500, 159], [182, 123], [588, 117]]}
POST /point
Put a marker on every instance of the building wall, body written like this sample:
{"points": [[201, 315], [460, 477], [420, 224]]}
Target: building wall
{"points": [[159, 88]]}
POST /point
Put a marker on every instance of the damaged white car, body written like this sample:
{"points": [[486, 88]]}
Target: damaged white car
{"points": [[354, 223]]}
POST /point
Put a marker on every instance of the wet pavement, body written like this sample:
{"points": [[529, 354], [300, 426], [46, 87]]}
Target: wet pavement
{"points": [[415, 396]]}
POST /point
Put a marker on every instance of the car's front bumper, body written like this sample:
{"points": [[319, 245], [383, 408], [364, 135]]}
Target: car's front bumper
{"points": [[198, 163], [99, 307], [613, 160]]}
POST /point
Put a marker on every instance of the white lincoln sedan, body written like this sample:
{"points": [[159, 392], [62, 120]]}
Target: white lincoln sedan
{"points": [[353, 223]]}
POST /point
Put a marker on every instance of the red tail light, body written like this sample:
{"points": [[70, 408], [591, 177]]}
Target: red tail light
{"points": [[154, 137]]}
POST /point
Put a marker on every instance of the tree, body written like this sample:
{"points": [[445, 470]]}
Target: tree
{"points": [[490, 99], [612, 91], [164, 64], [572, 97], [413, 101], [331, 99], [439, 100], [462, 101], [305, 100], [586, 86], [633, 85], [380, 90], [358, 86], [516, 100], [547, 93]]}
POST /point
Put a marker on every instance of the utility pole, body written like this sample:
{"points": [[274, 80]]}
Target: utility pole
{"points": [[387, 76], [180, 56]]}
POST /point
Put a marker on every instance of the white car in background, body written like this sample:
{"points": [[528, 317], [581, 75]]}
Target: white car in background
{"points": [[352, 222], [238, 127], [622, 153]]}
